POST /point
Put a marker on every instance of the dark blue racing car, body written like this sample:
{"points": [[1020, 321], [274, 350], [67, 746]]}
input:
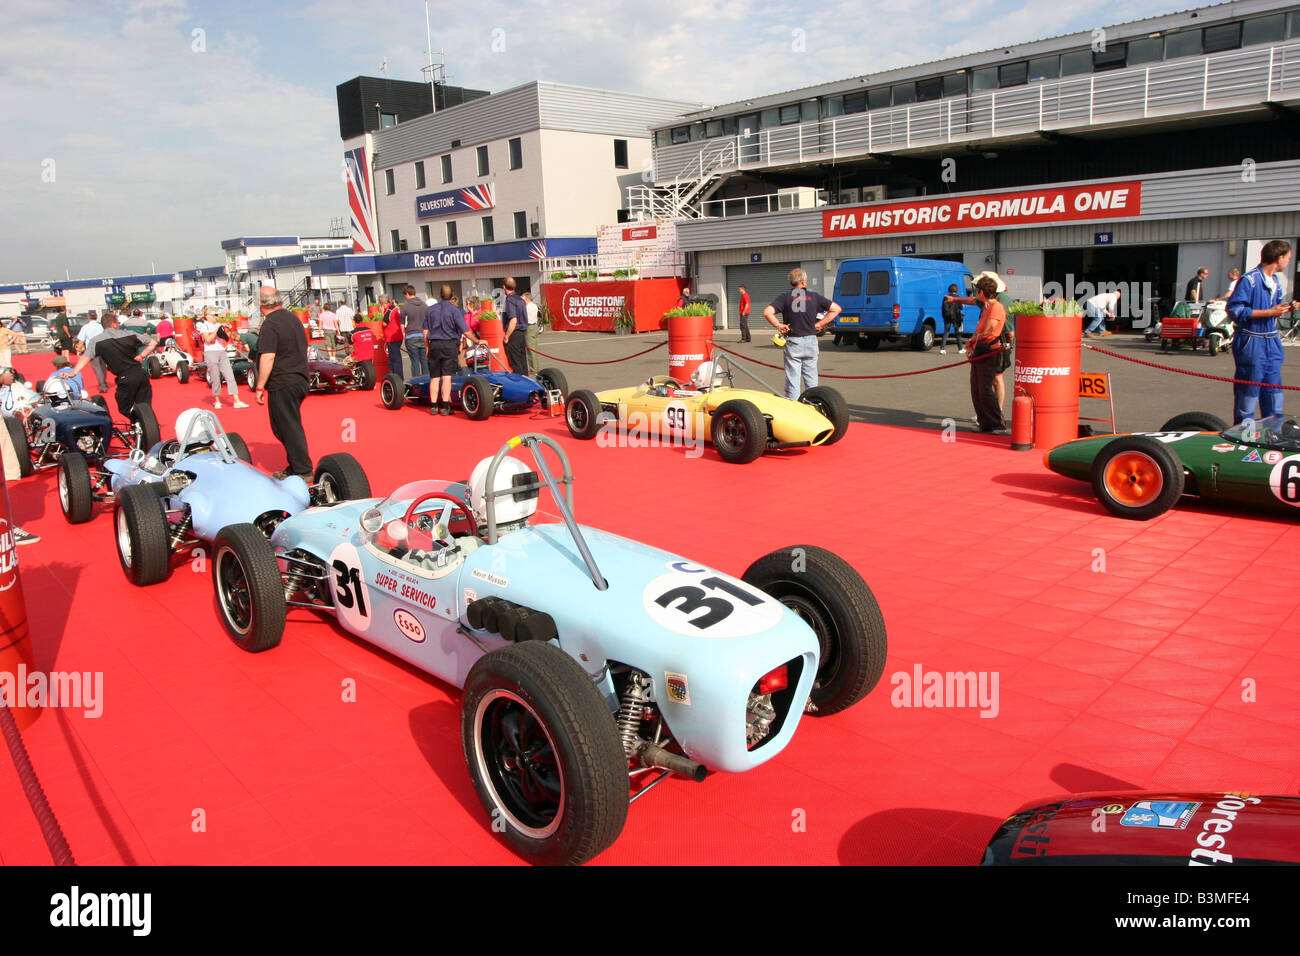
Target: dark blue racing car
{"points": [[481, 392]]}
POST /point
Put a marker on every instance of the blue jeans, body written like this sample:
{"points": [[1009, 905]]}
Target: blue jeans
{"points": [[415, 349], [800, 361], [395, 358], [1098, 323]]}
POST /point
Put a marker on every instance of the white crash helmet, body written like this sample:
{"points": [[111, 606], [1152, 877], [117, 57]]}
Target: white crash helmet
{"points": [[508, 510], [192, 427], [57, 390], [702, 377]]}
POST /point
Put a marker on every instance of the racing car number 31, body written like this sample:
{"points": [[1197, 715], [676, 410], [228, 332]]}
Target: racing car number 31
{"points": [[700, 602], [351, 598]]}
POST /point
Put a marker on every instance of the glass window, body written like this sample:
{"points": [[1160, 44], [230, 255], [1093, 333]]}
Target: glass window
{"points": [[789, 114], [1072, 64], [661, 137], [1226, 36], [808, 111], [419, 175], [681, 135], [394, 239], [489, 231], [850, 284], [729, 126], [446, 168], [769, 118], [1293, 27], [833, 106], [620, 154], [1013, 74], [387, 120], [697, 131], [1146, 50], [451, 234], [1044, 67], [877, 282], [904, 93], [712, 128], [521, 225], [1264, 30], [931, 89], [428, 291], [424, 237], [516, 153], [858, 102], [389, 185], [954, 84], [1114, 57], [985, 78], [1184, 43], [482, 161]]}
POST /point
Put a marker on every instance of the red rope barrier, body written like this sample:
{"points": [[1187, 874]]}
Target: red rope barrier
{"points": [[820, 374], [1183, 371], [556, 358]]}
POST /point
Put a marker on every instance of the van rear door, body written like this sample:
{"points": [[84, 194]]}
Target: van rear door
{"points": [[878, 296]]}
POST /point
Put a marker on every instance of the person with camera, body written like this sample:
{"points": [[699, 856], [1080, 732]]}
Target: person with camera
{"points": [[983, 349]]}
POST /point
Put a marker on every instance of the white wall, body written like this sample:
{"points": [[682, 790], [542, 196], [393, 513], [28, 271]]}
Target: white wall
{"points": [[582, 191]]}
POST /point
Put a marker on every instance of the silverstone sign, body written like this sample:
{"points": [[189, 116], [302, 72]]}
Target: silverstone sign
{"points": [[1032, 207], [469, 199], [578, 305]]}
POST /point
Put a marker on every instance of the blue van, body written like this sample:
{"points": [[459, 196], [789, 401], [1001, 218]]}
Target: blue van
{"points": [[897, 297]]}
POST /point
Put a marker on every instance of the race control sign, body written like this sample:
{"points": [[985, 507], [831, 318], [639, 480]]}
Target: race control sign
{"points": [[1029, 207]]}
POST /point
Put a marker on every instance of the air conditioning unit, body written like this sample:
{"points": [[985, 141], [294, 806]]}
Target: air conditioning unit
{"points": [[847, 196], [873, 194], [536, 230], [796, 197], [402, 246]]}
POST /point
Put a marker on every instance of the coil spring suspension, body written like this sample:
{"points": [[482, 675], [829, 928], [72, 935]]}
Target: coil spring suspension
{"points": [[630, 713], [182, 530]]}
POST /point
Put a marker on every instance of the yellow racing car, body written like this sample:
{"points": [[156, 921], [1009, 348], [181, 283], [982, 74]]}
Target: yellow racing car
{"points": [[742, 423]]}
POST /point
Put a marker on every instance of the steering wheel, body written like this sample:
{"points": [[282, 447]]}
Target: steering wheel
{"points": [[452, 505]]}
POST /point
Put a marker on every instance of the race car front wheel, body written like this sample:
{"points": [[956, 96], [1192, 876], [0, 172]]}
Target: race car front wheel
{"points": [[1137, 477], [830, 597], [476, 398], [340, 477], [145, 424], [544, 754], [739, 431], [182, 372], [553, 378], [392, 391], [1195, 421], [582, 414], [249, 587], [154, 366], [140, 530], [18, 435], [75, 496], [831, 404]]}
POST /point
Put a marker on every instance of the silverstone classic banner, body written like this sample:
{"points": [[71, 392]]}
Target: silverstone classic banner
{"points": [[1028, 207]]}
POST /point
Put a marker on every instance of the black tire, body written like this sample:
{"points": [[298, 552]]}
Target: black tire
{"points": [[477, 398], [392, 391], [146, 425], [18, 435], [140, 526], [240, 446], [830, 403], [830, 596], [182, 372], [249, 588], [340, 477], [554, 378], [923, 341], [582, 414], [366, 377], [75, 495], [868, 343], [1194, 421], [99, 400], [1215, 343], [739, 431], [1137, 477], [153, 364], [566, 800]]}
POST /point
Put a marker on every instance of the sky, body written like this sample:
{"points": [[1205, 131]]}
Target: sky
{"points": [[140, 133]]}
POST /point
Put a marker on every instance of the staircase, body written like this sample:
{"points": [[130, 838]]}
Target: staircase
{"points": [[297, 297], [680, 198]]}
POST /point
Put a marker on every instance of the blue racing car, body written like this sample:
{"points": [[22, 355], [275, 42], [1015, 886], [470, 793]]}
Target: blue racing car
{"points": [[481, 392], [593, 666], [190, 487]]}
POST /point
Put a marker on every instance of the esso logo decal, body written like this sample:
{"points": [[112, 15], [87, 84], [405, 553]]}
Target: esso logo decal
{"points": [[699, 602], [409, 625], [1284, 479], [675, 417], [348, 585]]}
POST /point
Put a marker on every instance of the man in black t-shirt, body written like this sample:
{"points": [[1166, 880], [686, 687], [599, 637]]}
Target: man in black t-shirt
{"points": [[124, 353], [282, 374], [799, 324]]}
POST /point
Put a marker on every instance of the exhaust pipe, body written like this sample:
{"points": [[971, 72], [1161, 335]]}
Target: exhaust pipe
{"points": [[651, 755]]}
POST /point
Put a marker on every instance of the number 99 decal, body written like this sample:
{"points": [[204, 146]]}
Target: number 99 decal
{"points": [[1284, 479], [707, 604], [675, 417]]}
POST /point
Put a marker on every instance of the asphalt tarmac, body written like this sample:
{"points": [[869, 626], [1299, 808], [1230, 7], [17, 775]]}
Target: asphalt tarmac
{"points": [[1145, 397]]}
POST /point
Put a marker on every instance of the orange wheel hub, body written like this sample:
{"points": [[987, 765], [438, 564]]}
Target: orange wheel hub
{"points": [[1133, 478]]}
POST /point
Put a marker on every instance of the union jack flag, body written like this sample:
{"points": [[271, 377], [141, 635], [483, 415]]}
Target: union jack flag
{"points": [[478, 197], [361, 200], [537, 249]]}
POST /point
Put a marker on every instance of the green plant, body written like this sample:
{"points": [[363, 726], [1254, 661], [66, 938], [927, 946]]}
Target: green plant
{"points": [[588, 274], [620, 273], [625, 320], [695, 308], [558, 276]]}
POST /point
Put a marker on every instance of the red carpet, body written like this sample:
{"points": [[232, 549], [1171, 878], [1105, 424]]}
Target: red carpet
{"points": [[981, 560]]}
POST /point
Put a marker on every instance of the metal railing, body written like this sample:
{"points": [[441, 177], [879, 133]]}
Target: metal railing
{"points": [[676, 199], [1184, 86], [769, 202]]}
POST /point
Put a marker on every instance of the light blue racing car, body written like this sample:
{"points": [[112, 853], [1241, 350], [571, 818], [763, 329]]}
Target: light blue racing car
{"points": [[593, 666], [190, 487]]}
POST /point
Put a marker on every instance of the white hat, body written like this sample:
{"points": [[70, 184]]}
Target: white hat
{"points": [[1002, 286]]}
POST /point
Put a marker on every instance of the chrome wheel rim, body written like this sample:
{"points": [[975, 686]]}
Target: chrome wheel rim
{"points": [[518, 764], [233, 591], [123, 538]]}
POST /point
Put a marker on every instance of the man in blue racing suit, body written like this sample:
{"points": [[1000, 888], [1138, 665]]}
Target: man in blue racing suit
{"points": [[1255, 305]]}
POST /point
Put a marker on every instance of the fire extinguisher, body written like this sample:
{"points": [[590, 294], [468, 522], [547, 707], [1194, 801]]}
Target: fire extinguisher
{"points": [[1022, 421]]}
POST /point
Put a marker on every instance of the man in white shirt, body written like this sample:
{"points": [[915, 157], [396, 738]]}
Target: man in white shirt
{"points": [[90, 330], [347, 319], [533, 332], [1099, 308], [15, 397]]}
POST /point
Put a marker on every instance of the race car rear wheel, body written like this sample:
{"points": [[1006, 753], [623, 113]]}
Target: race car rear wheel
{"points": [[143, 543], [739, 431], [145, 424], [240, 446], [392, 391], [1194, 421], [182, 372], [154, 366], [365, 377], [249, 587], [477, 398], [544, 754], [830, 597], [553, 378], [18, 435], [830, 403], [75, 495], [251, 378], [340, 477], [1137, 477], [582, 414]]}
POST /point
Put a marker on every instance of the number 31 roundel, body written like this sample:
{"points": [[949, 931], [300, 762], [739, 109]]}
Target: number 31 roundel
{"points": [[1284, 479], [702, 603], [351, 597]]}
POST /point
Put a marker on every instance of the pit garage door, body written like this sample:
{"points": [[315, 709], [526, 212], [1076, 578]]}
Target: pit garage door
{"points": [[765, 281]]}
